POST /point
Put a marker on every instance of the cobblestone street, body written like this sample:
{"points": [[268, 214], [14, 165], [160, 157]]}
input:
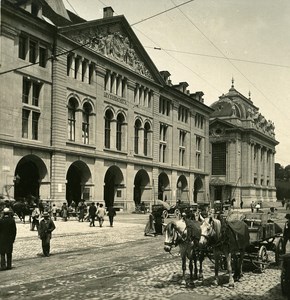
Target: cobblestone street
{"points": [[117, 263]]}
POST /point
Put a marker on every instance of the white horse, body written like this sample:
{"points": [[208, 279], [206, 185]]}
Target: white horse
{"points": [[176, 235], [227, 238]]}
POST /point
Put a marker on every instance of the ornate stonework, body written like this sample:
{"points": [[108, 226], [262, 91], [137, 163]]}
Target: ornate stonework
{"points": [[114, 45]]}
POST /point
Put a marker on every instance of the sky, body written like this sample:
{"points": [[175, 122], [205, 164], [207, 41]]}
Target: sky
{"points": [[208, 42]]}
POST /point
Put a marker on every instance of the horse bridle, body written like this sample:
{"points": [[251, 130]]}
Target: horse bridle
{"points": [[175, 240]]}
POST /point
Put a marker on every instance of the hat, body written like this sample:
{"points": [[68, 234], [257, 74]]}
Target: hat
{"points": [[6, 210], [287, 216], [45, 214]]}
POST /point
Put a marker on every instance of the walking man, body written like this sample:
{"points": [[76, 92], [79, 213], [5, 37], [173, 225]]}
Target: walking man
{"points": [[7, 237], [46, 227], [101, 214], [111, 214], [92, 214], [35, 217]]}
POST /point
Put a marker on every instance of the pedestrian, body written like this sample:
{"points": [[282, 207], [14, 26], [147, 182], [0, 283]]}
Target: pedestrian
{"points": [[46, 227], [35, 217], [258, 206], [286, 232], [92, 214], [253, 205], [101, 212], [7, 237], [283, 202], [54, 212], [111, 214], [158, 222], [81, 207], [150, 226], [241, 204], [64, 211]]}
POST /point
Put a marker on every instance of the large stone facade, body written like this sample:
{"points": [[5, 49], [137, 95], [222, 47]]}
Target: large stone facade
{"points": [[242, 151], [85, 114]]}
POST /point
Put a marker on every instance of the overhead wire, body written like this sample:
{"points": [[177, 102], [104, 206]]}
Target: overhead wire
{"points": [[166, 50], [228, 59], [219, 57]]}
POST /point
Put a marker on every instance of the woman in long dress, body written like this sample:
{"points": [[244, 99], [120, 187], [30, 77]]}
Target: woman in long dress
{"points": [[150, 226]]}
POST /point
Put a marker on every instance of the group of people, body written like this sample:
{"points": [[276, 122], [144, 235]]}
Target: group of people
{"points": [[8, 231], [98, 211], [42, 220]]}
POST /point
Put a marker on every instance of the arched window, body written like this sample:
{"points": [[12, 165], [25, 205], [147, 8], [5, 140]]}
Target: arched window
{"points": [[120, 123], [146, 138], [108, 121], [87, 109], [136, 136], [72, 107]]}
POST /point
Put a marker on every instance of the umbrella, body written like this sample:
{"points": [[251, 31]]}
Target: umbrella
{"points": [[165, 204]]}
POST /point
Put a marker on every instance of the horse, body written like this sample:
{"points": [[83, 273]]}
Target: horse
{"points": [[22, 209], [176, 235], [227, 238]]}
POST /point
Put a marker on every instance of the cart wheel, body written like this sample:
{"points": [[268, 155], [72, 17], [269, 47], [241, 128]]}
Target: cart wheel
{"points": [[262, 258], [165, 214], [279, 251], [177, 213]]}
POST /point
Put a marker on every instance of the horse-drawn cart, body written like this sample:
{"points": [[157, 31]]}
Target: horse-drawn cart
{"points": [[174, 210], [265, 235]]}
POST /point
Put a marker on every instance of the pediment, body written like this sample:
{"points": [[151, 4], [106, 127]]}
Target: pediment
{"points": [[115, 41], [219, 128]]}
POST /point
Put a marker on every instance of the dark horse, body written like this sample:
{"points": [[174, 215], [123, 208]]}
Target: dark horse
{"points": [[175, 235], [22, 209], [227, 238]]}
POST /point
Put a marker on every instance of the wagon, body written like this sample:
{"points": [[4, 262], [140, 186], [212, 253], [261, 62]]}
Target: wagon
{"points": [[265, 235], [175, 210]]}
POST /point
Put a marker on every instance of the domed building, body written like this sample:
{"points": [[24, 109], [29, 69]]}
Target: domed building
{"points": [[242, 145]]}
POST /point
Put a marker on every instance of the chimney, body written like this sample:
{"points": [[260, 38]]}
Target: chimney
{"points": [[108, 12]]}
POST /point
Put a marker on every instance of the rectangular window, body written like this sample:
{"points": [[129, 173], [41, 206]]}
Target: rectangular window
{"points": [[22, 47], [219, 159], [35, 93], [164, 106], [162, 152], [197, 160], [32, 51], [119, 137], [107, 133], [71, 125], [182, 135], [84, 71], [42, 57], [136, 142], [25, 118], [68, 64], [91, 73], [85, 134], [26, 90], [35, 118]]}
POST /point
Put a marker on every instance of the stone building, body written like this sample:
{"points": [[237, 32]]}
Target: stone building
{"points": [[242, 146], [85, 114]]}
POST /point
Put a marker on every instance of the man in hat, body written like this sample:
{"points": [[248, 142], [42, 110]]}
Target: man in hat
{"points": [[46, 226], [286, 232], [7, 238]]}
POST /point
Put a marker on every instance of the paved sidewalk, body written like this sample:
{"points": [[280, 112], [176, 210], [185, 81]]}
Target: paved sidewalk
{"points": [[73, 235]]}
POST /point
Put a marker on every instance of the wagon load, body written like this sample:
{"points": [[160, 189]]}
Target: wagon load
{"points": [[265, 235]]}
